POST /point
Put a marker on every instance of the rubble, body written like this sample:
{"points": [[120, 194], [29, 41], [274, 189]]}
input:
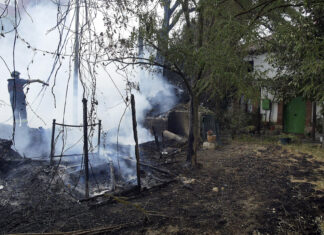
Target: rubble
{"points": [[6, 153], [5, 145], [176, 121]]}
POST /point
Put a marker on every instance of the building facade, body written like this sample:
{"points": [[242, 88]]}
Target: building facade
{"points": [[296, 116]]}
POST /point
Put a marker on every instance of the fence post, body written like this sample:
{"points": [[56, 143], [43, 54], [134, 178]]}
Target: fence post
{"points": [[136, 142], [85, 146], [156, 141], [52, 142], [162, 137], [99, 135]]}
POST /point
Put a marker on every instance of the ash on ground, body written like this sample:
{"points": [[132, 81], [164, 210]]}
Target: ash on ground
{"points": [[28, 184]]}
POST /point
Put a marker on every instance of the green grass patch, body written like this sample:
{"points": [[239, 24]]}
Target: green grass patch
{"points": [[257, 139]]}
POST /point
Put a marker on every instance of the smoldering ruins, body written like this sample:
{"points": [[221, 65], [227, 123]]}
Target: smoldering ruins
{"points": [[107, 95], [67, 151], [112, 123]]}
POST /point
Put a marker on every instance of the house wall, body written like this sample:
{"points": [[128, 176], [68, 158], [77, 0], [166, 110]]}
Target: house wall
{"points": [[318, 110], [274, 108], [309, 115], [261, 65], [309, 110], [280, 113]]}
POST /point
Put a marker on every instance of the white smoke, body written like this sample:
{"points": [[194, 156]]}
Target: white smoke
{"points": [[44, 107]]}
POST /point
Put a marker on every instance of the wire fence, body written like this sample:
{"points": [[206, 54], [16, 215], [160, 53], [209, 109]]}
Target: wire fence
{"points": [[85, 154]]}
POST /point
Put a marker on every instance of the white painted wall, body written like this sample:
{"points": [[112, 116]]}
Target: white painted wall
{"points": [[274, 113], [260, 64], [318, 110]]}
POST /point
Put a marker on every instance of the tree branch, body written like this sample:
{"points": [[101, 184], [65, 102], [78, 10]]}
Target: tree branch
{"points": [[255, 7], [145, 61], [174, 7], [177, 17]]}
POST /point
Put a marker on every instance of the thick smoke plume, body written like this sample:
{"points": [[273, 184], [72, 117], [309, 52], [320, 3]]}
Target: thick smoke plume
{"points": [[45, 105]]}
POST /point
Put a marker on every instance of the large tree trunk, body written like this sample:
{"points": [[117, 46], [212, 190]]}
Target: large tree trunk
{"points": [[196, 129], [193, 139]]}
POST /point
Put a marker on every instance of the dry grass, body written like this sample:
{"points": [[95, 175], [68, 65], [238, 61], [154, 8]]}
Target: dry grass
{"points": [[316, 152], [312, 149], [298, 148]]}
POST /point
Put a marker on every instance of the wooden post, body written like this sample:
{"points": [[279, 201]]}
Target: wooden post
{"points": [[85, 146], [112, 175], [52, 142], [99, 135], [156, 141], [163, 144], [136, 142]]}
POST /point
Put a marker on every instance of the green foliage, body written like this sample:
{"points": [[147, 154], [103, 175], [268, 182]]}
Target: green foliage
{"points": [[211, 52], [238, 121], [297, 46]]}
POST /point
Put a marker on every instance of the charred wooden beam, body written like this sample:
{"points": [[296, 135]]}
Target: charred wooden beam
{"points": [[156, 141], [136, 142], [52, 142]]}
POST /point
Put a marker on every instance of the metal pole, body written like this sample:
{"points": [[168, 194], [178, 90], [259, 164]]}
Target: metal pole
{"points": [[52, 142], [136, 142], [76, 63], [99, 135], [85, 146]]}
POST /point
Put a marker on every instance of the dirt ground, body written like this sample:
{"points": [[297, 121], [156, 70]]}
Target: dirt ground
{"points": [[241, 188]]}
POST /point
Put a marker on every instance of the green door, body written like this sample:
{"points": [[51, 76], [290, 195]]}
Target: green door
{"points": [[295, 115]]}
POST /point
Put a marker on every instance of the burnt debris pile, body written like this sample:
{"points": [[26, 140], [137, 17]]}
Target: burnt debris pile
{"points": [[56, 158], [112, 169]]}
